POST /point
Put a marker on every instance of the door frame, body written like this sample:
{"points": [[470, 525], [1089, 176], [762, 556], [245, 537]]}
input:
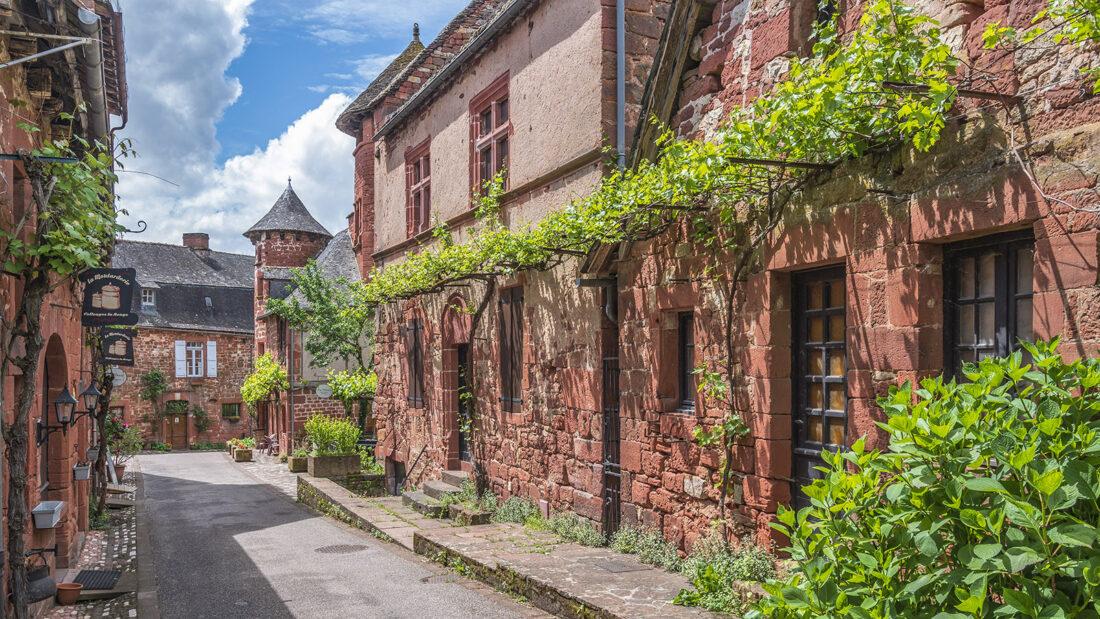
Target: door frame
{"points": [[186, 414]]}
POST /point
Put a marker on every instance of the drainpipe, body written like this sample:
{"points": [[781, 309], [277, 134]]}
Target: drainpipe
{"points": [[620, 81], [93, 73], [290, 391]]}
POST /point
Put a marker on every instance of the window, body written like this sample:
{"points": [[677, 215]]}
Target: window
{"points": [[987, 297], [418, 181], [231, 411], [820, 373], [414, 343], [148, 297], [491, 130], [194, 359], [511, 348], [685, 346]]}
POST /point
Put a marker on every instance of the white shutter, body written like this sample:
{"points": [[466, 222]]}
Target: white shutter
{"points": [[212, 359], [181, 359]]}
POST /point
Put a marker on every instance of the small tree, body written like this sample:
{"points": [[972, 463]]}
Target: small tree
{"points": [[265, 382], [153, 385]]}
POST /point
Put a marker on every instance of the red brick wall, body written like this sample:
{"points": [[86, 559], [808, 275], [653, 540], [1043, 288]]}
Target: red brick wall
{"points": [[155, 349]]}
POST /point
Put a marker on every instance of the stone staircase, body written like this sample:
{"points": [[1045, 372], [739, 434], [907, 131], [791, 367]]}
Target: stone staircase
{"points": [[428, 499]]}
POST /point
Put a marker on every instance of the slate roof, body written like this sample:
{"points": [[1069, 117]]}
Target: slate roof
{"points": [[288, 214], [349, 119], [184, 279]]}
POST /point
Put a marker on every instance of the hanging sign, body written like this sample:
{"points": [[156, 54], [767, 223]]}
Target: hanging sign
{"points": [[323, 391], [107, 297], [117, 345]]}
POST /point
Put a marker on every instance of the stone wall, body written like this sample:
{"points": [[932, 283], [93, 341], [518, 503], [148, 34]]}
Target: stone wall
{"points": [[154, 349]]}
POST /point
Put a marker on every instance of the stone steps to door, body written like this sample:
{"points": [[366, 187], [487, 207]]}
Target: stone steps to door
{"points": [[438, 489], [424, 504], [456, 478]]}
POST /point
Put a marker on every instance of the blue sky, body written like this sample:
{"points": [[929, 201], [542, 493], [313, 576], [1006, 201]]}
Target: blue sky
{"points": [[230, 97]]}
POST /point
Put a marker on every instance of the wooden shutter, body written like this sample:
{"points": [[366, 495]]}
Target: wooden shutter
{"points": [[212, 359], [517, 346], [181, 359], [506, 350]]}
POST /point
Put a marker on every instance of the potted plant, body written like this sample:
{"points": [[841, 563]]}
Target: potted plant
{"points": [[93, 453], [333, 441], [125, 444], [297, 462], [82, 472], [47, 514], [68, 593], [243, 450]]}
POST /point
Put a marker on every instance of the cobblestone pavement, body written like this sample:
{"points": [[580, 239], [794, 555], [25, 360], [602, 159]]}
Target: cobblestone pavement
{"points": [[112, 549], [269, 470]]}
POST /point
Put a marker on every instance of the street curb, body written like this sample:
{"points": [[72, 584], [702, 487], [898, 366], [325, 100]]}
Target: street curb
{"points": [[147, 606]]}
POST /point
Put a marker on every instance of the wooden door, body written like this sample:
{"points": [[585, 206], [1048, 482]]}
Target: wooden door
{"points": [[175, 419]]}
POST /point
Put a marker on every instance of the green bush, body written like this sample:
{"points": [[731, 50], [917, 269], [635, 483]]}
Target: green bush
{"points": [[650, 546], [517, 510], [368, 463], [576, 529], [984, 505], [332, 436], [159, 446], [744, 562], [208, 447]]}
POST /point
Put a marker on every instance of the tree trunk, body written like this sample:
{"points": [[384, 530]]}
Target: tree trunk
{"points": [[27, 321], [101, 461], [481, 477]]}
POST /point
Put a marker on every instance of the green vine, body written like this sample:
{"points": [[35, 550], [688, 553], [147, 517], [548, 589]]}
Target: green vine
{"points": [[265, 381], [1070, 22], [350, 386], [153, 385]]}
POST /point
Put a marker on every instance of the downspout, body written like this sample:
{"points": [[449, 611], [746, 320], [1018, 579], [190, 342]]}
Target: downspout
{"points": [[290, 390], [620, 81], [93, 73]]}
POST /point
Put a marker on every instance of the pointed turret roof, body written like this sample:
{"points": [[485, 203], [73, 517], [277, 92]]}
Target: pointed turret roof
{"points": [[288, 214], [349, 118]]}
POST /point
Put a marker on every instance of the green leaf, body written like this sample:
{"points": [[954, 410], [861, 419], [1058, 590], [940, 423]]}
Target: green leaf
{"points": [[1073, 534]]}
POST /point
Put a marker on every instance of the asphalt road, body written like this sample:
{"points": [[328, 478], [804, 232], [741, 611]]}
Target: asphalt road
{"points": [[227, 545]]}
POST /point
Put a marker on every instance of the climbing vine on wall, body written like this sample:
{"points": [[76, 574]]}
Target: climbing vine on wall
{"points": [[265, 381], [1070, 22]]}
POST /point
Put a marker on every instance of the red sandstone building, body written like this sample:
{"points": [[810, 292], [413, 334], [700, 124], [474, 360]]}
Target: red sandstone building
{"points": [[92, 76], [195, 325], [586, 401]]}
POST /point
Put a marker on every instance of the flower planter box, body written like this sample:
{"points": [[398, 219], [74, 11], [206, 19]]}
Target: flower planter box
{"points": [[333, 466], [242, 455], [47, 514], [92, 454], [82, 472], [297, 465]]}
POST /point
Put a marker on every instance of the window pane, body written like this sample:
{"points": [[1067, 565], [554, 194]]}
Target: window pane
{"points": [[966, 356], [1023, 321], [813, 429], [416, 172], [816, 300], [815, 397], [836, 293], [836, 328], [817, 330], [426, 166], [987, 324], [986, 274], [836, 363], [1025, 263], [485, 123], [485, 161], [965, 327], [814, 363], [502, 154], [966, 278], [502, 112], [836, 397], [836, 431]]}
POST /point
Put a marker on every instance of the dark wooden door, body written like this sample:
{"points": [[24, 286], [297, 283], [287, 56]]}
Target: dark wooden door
{"points": [[175, 419], [465, 402], [820, 373], [612, 472]]}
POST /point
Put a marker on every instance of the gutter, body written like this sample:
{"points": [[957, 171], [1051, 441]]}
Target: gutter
{"points": [[620, 82], [93, 73], [458, 62]]}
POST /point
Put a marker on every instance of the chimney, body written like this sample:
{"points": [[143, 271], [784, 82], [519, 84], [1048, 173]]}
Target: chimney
{"points": [[198, 241]]}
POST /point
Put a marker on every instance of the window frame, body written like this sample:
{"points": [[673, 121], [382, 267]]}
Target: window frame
{"points": [[415, 358], [418, 216], [236, 417], [490, 100], [152, 293], [686, 388], [1006, 296], [194, 355], [510, 348]]}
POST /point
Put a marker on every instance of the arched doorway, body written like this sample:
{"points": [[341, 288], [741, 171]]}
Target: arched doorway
{"points": [[55, 375], [456, 373]]}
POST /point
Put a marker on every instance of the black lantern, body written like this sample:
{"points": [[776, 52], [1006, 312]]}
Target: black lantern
{"points": [[90, 396], [63, 406]]}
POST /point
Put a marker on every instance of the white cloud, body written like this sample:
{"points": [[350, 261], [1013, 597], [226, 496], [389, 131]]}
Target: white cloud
{"points": [[368, 67], [178, 93]]}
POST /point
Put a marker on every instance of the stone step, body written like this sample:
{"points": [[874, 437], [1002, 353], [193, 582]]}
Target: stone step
{"points": [[439, 489], [455, 478], [424, 504]]}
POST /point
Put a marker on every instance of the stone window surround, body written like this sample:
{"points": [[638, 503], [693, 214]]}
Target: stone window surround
{"points": [[488, 99], [417, 160], [681, 298], [195, 359], [415, 344], [511, 403]]}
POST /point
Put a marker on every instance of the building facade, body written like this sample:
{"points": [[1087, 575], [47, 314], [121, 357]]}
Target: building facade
{"points": [[585, 397], [37, 92], [194, 328]]}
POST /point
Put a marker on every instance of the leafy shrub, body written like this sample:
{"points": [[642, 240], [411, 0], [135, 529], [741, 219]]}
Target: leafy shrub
{"points": [[208, 447], [984, 505], [242, 443], [331, 436], [368, 463], [716, 593], [159, 446], [299, 453], [126, 444], [576, 529], [517, 510], [200, 419], [650, 546], [745, 562]]}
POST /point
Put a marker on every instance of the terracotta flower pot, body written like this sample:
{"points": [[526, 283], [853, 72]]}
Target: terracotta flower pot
{"points": [[68, 592], [120, 470]]}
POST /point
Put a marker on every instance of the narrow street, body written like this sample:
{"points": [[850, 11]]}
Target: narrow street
{"points": [[227, 545]]}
